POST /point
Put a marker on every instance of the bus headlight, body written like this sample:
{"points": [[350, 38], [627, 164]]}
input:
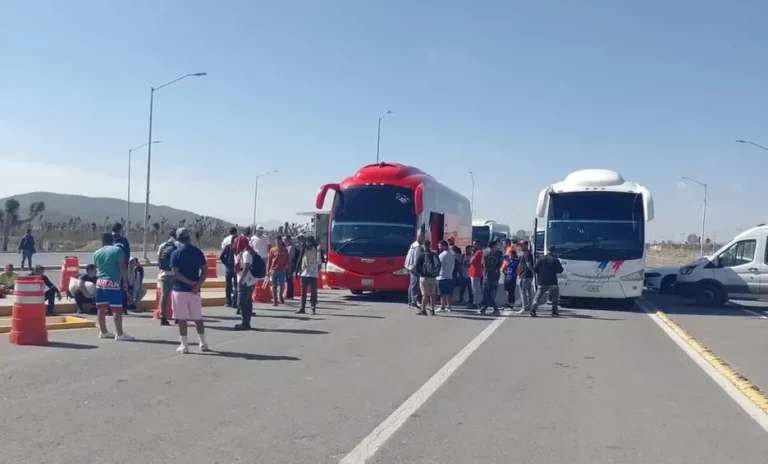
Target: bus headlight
{"points": [[330, 267], [401, 272], [639, 275]]}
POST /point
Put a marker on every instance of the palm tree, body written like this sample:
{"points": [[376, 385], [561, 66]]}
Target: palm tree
{"points": [[104, 226], [12, 221], [94, 227]]}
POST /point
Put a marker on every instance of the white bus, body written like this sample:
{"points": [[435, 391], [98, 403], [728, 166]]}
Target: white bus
{"points": [[484, 232], [596, 221]]}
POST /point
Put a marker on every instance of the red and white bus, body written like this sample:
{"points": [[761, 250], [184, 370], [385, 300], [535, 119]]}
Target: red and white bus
{"points": [[376, 214]]}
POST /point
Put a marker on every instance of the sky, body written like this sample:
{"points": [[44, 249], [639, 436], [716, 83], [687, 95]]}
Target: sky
{"points": [[519, 92]]}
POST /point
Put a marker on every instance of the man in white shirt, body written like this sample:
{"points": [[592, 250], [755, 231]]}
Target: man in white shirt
{"points": [[414, 293], [260, 243], [245, 283], [228, 239], [445, 278]]}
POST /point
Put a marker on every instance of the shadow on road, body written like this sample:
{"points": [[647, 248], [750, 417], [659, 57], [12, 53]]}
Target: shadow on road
{"points": [[70, 346], [249, 356], [672, 305], [378, 297], [287, 331]]}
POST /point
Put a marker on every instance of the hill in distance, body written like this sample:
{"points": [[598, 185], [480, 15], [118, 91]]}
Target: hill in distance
{"points": [[61, 207]]}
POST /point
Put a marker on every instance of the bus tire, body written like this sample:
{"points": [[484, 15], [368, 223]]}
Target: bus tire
{"points": [[710, 294], [357, 292]]}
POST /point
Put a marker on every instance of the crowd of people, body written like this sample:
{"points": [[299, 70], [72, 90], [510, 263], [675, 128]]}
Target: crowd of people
{"points": [[435, 274]]}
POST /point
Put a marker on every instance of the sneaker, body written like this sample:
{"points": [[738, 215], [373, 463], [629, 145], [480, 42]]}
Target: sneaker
{"points": [[440, 310], [301, 311], [204, 348], [106, 335], [242, 327], [124, 337], [183, 349], [496, 312], [520, 311], [164, 321], [313, 311], [533, 314]]}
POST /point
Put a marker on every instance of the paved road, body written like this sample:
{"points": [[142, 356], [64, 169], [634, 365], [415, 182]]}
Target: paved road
{"points": [[738, 333], [596, 386]]}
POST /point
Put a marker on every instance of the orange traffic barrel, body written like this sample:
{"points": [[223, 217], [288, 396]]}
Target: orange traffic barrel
{"points": [[28, 317], [70, 267], [262, 293], [211, 263], [168, 305]]}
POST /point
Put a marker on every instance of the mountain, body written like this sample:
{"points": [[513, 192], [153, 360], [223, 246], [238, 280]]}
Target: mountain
{"points": [[60, 207]]}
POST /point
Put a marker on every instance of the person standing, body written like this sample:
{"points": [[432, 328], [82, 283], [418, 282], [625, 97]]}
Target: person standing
{"points": [[309, 265], [465, 284], [476, 276], [445, 277], [417, 247], [110, 272], [428, 268], [165, 275], [190, 270], [245, 282], [27, 249], [228, 239], [278, 266], [547, 269], [510, 275], [122, 242], [293, 261], [525, 277], [135, 280], [227, 258], [491, 277], [260, 243]]}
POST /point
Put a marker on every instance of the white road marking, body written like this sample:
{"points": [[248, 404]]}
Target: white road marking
{"points": [[754, 313], [730, 389], [370, 444]]}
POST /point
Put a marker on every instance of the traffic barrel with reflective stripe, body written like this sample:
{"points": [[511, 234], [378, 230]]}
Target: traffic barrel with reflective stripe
{"points": [[168, 306], [70, 267], [28, 317], [210, 261]]}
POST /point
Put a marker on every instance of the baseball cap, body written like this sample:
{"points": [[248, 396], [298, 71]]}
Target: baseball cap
{"points": [[522, 242], [182, 233], [260, 228]]}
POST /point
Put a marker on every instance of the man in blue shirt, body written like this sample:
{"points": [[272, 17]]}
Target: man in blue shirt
{"points": [[190, 269], [27, 248]]}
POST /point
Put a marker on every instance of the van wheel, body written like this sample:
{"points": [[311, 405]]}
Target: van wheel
{"points": [[356, 292], [710, 295], [668, 284]]}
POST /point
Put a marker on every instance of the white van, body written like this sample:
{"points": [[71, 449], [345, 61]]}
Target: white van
{"points": [[738, 271]]}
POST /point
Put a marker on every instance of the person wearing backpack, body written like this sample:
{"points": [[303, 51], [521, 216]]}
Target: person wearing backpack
{"points": [[428, 268], [166, 278]]}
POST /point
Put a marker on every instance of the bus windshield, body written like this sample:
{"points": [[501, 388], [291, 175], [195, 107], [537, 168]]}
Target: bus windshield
{"points": [[373, 220], [596, 226], [481, 234]]}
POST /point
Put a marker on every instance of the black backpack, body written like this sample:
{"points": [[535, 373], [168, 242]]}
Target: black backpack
{"points": [[431, 266], [258, 266], [164, 261]]}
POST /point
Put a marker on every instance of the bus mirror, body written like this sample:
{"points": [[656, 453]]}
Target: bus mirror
{"points": [[418, 199], [320, 200]]}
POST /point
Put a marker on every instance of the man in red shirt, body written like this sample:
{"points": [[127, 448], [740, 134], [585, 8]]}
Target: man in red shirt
{"points": [[476, 276], [278, 265]]}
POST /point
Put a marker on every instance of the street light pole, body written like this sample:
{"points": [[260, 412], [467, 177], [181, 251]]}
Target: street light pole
{"points": [[472, 201], [149, 152], [378, 133], [703, 214], [128, 207], [256, 195], [749, 142]]}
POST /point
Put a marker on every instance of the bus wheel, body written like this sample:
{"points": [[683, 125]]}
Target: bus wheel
{"points": [[356, 292], [710, 295]]}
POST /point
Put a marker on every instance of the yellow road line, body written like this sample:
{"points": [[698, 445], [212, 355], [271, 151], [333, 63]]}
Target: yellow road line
{"points": [[743, 384]]}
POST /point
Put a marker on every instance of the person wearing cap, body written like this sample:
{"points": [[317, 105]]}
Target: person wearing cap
{"points": [[260, 243], [525, 277], [7, 280], [190, 269], [165, 276], [111, 272]]}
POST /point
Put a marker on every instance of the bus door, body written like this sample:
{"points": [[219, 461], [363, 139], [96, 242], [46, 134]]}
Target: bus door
{"points": [[436, 228]]}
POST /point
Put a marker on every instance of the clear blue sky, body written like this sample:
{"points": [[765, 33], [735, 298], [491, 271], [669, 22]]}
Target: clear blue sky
{"points": [[520, 92]]}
